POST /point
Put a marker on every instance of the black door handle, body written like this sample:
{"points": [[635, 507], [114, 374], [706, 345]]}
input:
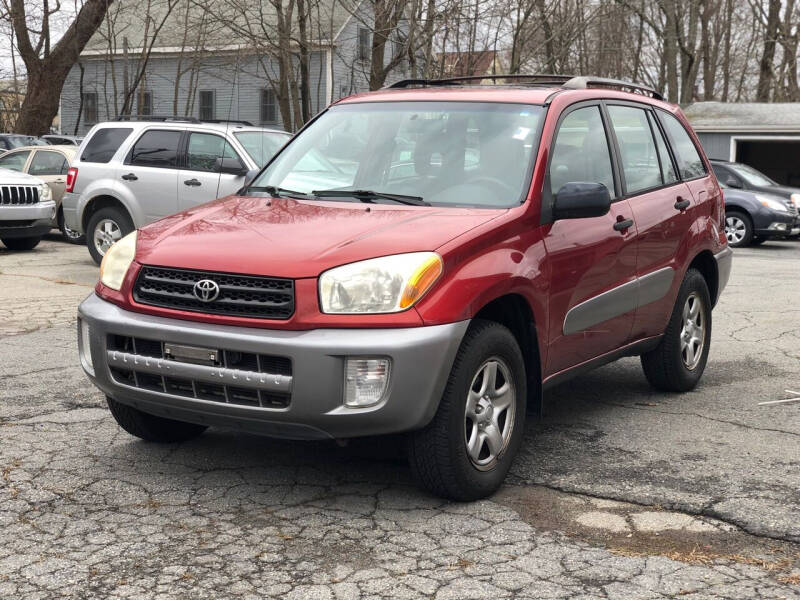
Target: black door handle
{"points": [[130, 177], [681, 204], [192, 182], [623, 225]]}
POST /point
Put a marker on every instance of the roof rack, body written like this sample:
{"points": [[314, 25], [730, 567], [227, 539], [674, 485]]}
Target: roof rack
{"points": [[179, 119], [571, 82]]}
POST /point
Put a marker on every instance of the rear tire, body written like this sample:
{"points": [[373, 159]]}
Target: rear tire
{"points": [[678, 362], [467, 449], [738, 228], [26, 243], [150, 427], [106, 226]]}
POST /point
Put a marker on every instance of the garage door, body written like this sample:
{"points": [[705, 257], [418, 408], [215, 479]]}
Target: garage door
{"points": [[779, 159]]}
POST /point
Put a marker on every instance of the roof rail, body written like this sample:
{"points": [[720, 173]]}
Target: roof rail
{"points": [[584, 82], [179, 119], [537, 79]]}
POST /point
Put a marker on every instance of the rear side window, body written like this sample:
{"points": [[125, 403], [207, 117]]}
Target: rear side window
{"points": [[156, 148], [667, 166], [689, 161], [46, 162], [580, 152], [104, 144], [637, 148]]}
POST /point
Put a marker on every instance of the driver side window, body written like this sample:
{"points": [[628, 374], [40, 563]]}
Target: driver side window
{"points": [[580, 151]]}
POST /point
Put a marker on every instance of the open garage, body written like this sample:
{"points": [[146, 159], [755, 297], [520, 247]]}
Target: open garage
{"points": [[764, 136]]}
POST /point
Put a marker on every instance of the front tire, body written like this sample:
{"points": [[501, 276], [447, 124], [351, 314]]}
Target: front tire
{"points": [[106, 226], [25, 243], [466, 451], [150, 427], [678, 362], [738, 229]]}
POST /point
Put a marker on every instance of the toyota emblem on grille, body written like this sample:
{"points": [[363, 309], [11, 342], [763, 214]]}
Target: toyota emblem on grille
{"points": [[206, 290]]}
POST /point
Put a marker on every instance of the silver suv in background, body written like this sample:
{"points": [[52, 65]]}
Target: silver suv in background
{"points": [[131, 172]]}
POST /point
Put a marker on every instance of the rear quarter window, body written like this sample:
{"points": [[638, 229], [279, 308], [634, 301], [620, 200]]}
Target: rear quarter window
{"points": [[689, 160], [104, 144]]}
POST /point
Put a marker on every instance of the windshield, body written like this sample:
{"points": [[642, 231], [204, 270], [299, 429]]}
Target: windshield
{"points": [[448, 153], [751, 176], [17, 141], [261, 145]]}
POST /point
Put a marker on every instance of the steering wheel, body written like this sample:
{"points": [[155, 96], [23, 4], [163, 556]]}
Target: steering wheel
{"points": [[493, 182]]}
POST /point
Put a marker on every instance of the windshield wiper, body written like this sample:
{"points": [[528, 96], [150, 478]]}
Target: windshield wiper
{"points": [[369, 196], [277, 192]]}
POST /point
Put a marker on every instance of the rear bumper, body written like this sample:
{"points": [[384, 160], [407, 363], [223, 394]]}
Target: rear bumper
{"points": [[724, 262], [421, 359], [69, 206], [28, 220]]}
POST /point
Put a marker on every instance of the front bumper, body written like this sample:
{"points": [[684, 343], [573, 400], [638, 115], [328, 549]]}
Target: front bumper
{"points": [[421, 359], [29, 220]]}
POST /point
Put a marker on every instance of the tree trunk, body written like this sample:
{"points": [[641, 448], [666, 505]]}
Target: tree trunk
{"points": [[765, 69]]}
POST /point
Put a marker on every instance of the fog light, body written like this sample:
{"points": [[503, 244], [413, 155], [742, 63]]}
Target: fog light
{"points": [[779, 226], [365, 381], [84, 347]]}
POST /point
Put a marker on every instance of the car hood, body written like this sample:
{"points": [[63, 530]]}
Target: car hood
{"points": [[9, 177], [289, 238], [783, 191]]}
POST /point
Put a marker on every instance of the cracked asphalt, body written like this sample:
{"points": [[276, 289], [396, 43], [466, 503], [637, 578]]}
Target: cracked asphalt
{"points": [[619, 491]]}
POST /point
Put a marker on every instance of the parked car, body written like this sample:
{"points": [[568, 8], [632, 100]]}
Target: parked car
{"points": [[744, 177], [27, 210], [62, 140], [50, 164], [751, 218], [435, 302], [130, 173], [16, 140]]}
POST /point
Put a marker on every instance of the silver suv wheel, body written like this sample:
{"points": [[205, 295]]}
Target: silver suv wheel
{"points": [[106, 233], [489, 415]]}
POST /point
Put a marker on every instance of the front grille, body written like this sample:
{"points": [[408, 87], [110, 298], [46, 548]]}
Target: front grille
{"points": [[13, 195], [239, 295], [242, 378]]}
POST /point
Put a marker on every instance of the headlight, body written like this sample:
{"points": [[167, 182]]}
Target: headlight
{"points": [[795, 198], [117, 260], [772, 203], [379, 285], [45, 193]]}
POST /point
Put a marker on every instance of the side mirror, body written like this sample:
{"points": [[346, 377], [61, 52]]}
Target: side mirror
{"points": [[733, 182], [250, 175], [580, 200], [231, 166]]}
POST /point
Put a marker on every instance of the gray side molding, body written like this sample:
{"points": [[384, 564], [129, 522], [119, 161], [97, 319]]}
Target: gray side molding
{"points": [[619, 300]]}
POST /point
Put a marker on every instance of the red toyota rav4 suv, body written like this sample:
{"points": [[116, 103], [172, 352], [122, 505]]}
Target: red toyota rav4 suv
{"points": [[422, 259]]}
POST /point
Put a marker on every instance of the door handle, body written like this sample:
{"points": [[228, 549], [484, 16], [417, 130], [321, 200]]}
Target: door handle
{"points": [[192, 182], [58, 181], [623, 225], [130, 177], [682, 204]]}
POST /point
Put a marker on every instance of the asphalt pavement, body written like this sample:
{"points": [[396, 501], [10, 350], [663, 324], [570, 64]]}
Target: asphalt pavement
{"points": [[619, 491]]}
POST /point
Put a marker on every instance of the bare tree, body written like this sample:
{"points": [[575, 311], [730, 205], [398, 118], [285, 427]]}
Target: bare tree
{"points": [[47, 64]]}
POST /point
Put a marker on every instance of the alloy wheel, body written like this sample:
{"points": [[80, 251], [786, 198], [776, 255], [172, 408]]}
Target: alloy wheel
{"points": [[489, 416], [693, 332], [106, 233], [735, 229]]}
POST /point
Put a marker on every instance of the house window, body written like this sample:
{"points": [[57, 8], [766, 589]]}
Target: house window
{"points": [[145, 106], [206, 105], [363, 43], [268, 109], [90, 108]]}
